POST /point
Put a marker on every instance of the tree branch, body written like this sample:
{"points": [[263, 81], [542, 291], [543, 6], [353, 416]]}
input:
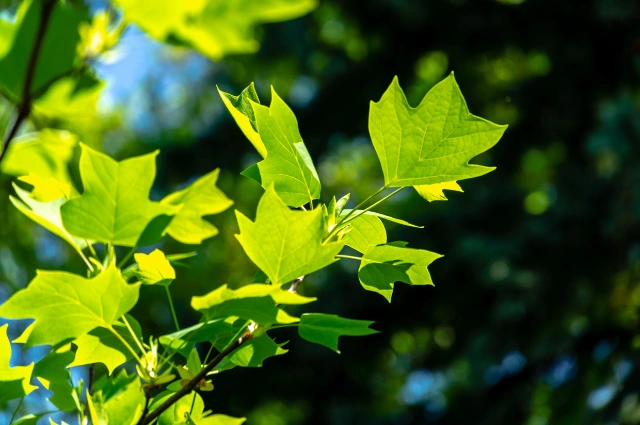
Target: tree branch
{"points": [[145, 420], [295, 284], [24, 108]]}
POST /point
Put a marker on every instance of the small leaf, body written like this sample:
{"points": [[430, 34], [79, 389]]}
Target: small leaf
{"points": [[383, 265], [115, 206], [325, 329], [364, 231], [30, 419], [14, 382], [435, 192], [199, 199], [242, 112], [285, 244], [433, 142], [53, 373], [154, 268], [218, 332], [74, 305], [252, 353], [123, 408], [252, 302]]}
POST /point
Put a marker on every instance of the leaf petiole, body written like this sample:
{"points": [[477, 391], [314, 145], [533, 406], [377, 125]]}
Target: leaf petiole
{"points": [[133, 334], [350, 257], [126, 344]]}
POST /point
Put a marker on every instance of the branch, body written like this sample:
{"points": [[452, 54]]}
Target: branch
{"points": [[145, 420], [295, 284], [25, 105]]}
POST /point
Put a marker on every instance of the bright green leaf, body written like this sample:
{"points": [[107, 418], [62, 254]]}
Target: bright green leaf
{"points": [[364, 231], [325, 329], [53, 373], [123, 408], [201, 198], [115, 206], [433, 142], [74, 305], [383, 265], [102, 346], [252, 353], [287, 165], [285, 244], [14, 381], [242, 112], [154, 268], [71, 98], [192, 405], [435, 192], [218, 332], [255, 302], [213, 27]]}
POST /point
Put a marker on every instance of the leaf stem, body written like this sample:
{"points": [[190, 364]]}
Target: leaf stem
{"points": [[15, 412], [25, 104], [173, 310], [342, 220], [376, 203], [350, 257], [133, 334], [290, 325], [126, 344], [126, 257]]}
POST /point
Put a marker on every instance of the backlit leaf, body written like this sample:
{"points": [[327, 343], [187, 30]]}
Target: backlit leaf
{"points": [[74, 305], [285, 244], [433, 142], [114, 206], [154, 268], [252, 353], [14, 381], [123, 408], [383, 265], [242, 112], [53, 373], [434, 192], [199, 199], [365, 230], [325, 329]]}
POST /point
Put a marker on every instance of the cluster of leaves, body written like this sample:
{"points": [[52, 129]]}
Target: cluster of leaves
{"points": [[109, 217]]}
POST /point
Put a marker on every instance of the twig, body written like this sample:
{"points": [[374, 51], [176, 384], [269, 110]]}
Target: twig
{"points": [[145, 420], [295, 284], [92, 373], [25, 104], [147, 398]]}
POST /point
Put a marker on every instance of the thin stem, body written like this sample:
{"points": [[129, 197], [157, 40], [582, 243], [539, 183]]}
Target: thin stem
{"points": [[342, 220], [86, 261], [193, 403], [126, 344], [291, 325], [126, 257], [145, 420], [310, 204], [350, 257], [15, 412], [173, 310], [25, 104], [295, 284], [206, 358], [92, 374], [133, 334], [92, 250]]}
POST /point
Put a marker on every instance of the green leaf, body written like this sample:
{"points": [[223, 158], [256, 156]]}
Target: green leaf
{"points": [[199, 199], [191, 405], [46, 154], [29, 419], [212, 27], [218, 332], [102, 346], [71, 98], [14, 381], [382, 216], [115, 206], [285, 244], [124, 408], [433, 142], [364, 231], [57, 53], [53, 373], [325, 329], [252, 353], [383, 265], [154, 268], [74, 305], [255, 302], [287, 165], [242, 112], [47, 215], [435, 192]]}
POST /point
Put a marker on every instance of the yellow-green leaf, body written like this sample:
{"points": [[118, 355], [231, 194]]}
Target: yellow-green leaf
{"points": [[325, 329], [154, 268], [14, 381], [434, 192]]}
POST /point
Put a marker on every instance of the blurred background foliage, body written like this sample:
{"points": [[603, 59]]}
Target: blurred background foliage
{"points": [[534, 317]]}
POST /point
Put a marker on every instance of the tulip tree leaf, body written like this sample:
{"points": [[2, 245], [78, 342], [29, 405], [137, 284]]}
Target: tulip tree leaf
{"points": [[47, 215], [242, 112], [201, 198], [123, 408], [53, 373], [255, 302], [115, 206], [102, 346], [252, 353], [285, 244], [14, 381], [193, 406], [325, 329], [365, 230], [74, 305], [154, 268], [287, 165], [383, 265], [213, 27], [435, 192], [433, 142], [218, 332]]}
